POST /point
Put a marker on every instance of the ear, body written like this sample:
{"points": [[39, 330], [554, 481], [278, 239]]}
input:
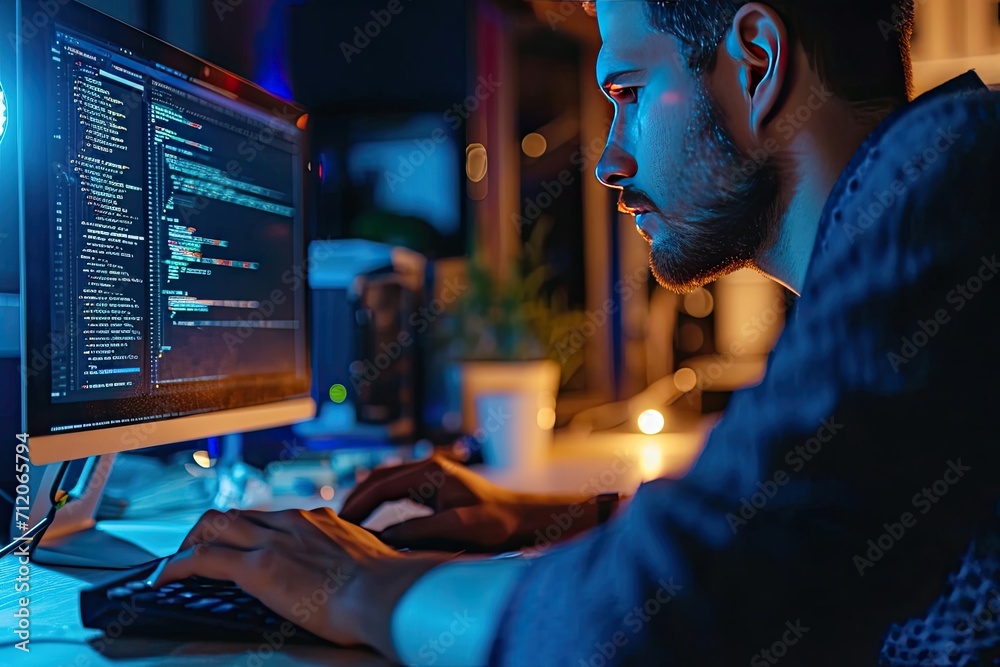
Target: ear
{"points": [[758, 44]]}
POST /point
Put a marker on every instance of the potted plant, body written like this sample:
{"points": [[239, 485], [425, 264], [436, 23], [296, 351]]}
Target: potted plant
{"points": [[506, 339]]}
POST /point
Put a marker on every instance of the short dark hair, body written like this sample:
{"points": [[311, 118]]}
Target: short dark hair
{"points": [[861, 48]]}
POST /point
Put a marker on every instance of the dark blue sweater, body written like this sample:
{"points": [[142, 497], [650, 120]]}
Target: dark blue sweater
{"points": [[872, 444]]}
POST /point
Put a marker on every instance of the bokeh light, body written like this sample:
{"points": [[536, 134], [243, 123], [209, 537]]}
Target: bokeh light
{"points": [[534, 145], [476, 162], [651, 422], [546, 418], [338, 393], [699, 303], [685, 379]]}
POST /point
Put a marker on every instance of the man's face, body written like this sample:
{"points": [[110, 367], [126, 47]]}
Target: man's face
{"points": [[704, 213]]}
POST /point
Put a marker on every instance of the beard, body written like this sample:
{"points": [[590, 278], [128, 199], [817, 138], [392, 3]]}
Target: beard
{"points": [[728, 214]]}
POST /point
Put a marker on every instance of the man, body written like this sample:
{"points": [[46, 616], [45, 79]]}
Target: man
{"points": [[778, 135]]}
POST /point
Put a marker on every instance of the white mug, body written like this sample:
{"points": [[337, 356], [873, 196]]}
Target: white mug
{"points": [[514, 427]]}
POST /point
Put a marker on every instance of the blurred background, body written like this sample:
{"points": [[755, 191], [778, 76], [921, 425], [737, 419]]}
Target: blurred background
{"points": [[463, 246]]}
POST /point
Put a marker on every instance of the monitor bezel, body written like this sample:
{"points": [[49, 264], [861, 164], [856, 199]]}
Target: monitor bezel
{"points": [[278, 400]]}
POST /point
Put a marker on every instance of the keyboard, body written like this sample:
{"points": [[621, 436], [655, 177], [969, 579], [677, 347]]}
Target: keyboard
{"points": [[191, 609]]}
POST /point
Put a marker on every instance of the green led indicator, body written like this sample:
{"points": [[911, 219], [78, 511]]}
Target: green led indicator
{"points": [[338, 393]]}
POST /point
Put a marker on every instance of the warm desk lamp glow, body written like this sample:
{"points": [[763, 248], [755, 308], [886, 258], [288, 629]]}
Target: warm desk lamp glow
{"points": [[651, 422], [202, 458]]}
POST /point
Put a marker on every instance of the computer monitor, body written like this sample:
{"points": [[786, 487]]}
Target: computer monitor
{"points": [[162, 207], [163, 250]]}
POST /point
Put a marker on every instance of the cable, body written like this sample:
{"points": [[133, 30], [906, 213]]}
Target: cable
{"points": [[27, 535], [57, 499]]}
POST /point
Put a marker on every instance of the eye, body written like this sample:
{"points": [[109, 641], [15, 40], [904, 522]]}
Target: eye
{"points": [[624, 94]]}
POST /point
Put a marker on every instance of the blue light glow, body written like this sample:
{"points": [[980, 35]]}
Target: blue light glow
{"points": [[272, 53]]}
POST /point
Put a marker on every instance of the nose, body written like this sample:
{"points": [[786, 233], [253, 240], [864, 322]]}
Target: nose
{"points": [[616, 166]]}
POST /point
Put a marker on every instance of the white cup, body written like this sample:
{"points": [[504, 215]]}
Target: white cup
{"points": [[515, 428]]}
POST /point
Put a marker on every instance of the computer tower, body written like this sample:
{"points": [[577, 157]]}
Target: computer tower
{"points": [[366, 353]]}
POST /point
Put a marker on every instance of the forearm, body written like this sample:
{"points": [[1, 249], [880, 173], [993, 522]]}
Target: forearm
{"points": [[550, 518], [450, 614]]}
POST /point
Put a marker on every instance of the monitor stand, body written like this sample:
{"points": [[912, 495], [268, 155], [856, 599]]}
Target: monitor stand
{"points": [[238, 485], [91, 548], [74, 539]]}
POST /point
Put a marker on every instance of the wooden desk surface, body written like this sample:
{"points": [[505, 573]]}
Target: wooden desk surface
{"points": [[603, 462], [593, 464]]}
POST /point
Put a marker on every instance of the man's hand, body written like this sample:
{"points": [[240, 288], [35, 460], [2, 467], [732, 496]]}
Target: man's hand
{"points": [[331, 577], [470, 513]]}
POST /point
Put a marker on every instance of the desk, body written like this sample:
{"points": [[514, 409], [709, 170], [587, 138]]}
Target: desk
{"points": [[592, 464]]}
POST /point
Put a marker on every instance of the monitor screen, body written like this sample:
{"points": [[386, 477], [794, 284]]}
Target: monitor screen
{"points": [[410, 166], [8, 175], [163, 223]]}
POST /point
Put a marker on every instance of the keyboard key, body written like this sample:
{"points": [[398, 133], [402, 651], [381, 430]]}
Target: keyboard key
{"points": [[203, 603], [170, 602], [199, 605]]}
